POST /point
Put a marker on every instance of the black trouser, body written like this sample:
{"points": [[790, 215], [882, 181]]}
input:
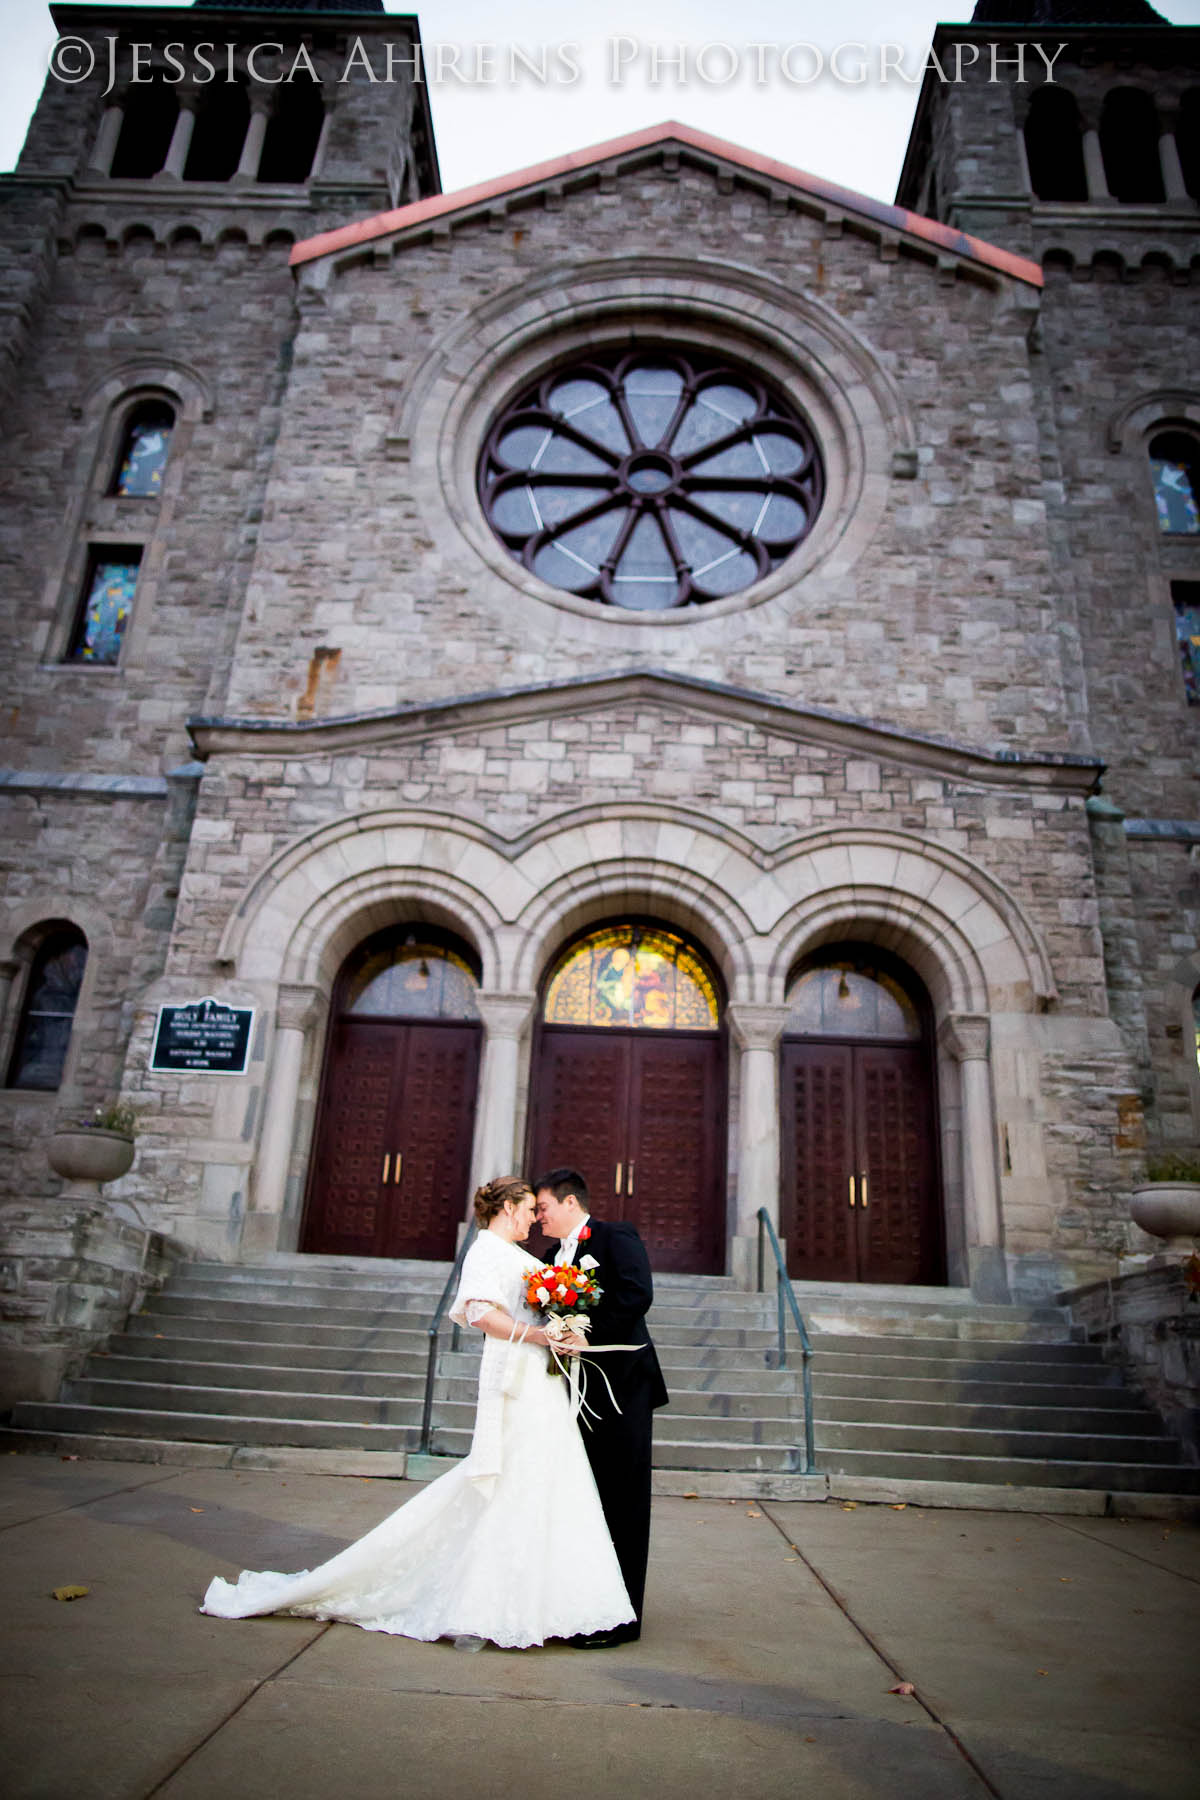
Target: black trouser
{"points": [[618, 1447]]}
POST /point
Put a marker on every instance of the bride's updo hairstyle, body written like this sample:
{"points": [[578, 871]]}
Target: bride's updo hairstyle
{"points": [[492, 1197]]}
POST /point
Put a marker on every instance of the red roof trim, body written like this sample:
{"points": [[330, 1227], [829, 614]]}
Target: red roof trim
{"points": [[893, 218]]}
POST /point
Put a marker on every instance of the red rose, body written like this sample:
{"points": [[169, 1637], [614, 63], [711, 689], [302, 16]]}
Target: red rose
{"points": [[585, 1234]]}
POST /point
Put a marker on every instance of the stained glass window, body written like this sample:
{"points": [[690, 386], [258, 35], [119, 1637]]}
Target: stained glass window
{"points": [[413, 979], [651, 480], [1175, 467], [633, 975], [144, 451], [1196, 1023], [108, 602], [850, 997], [51, 995], [1186, 595]]}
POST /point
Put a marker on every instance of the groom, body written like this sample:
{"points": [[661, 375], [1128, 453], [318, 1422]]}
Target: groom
{"points": [[617, 1443]]}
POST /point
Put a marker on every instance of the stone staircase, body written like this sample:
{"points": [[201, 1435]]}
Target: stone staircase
{"points": [[312, 1358]]}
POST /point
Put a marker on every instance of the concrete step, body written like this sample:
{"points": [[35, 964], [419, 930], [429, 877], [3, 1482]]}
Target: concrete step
{"points": [[831, 1389], [288, 1378], [351, 1357], [168, 1305], [351, 1409], [1131, 1476], [952, 1349], [949, 1441], [1015, 1417], [249, 1330], [211, 1428]]}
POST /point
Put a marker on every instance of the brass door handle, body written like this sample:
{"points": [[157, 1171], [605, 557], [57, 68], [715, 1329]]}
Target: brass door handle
{"points": [[387, 1163], [629, 1187], [617, 1182], [852, 1200], [863, 1178], [399, 1166]]}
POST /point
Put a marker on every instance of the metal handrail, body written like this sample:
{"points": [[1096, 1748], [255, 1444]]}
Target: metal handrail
{"points": [[431, 1331], [777, 1359]]}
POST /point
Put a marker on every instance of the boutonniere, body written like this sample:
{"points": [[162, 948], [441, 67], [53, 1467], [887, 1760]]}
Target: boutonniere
{"points": [[588, 1262], [585, 1234]]}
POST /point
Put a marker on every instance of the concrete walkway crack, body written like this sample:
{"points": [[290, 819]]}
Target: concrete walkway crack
{"points": [[843, 1607], [56, 1512], [1067, 1525], [256, 1688]]}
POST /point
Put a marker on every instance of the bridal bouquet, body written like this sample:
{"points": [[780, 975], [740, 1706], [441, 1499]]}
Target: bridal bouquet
{"points": [[567, 1293]]}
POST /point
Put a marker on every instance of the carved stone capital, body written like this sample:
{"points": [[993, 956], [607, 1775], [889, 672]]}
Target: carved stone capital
{"points": [[299, 1008], [966, 1036], [757, 1027], [505, 1015]]}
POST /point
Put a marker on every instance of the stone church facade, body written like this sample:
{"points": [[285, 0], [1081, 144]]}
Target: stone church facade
{"points": [[319, 710]]}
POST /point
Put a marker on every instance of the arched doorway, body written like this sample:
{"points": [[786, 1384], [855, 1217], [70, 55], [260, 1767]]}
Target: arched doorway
{"points": [[860, 1191], [391, 1161], [629, 1088]]}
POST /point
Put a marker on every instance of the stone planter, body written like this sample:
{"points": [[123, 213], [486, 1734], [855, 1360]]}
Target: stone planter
{"points": [[1169, 1210], [90, 1154]]}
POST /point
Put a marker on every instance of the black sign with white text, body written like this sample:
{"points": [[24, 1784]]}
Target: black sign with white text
{"points": [[204, 1036]]}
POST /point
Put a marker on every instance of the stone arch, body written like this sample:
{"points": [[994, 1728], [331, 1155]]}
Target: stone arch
{"points": [[24, 926], [1179, 987], [969, 939]]}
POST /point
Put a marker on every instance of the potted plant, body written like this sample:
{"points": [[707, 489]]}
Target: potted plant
{"points": [[1167, 1203], [96, 1149]]}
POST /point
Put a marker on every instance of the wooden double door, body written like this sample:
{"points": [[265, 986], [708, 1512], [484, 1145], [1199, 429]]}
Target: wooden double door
{"points": [[393, 1145], [641, 1115], [860, 1189]]}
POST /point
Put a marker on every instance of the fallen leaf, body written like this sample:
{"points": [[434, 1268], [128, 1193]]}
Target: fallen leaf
{"points": [[897, 1505], [791, 1559], [851, 1506], [1066, 1578], [68, 1459], [810, 1740], [751, 1514], [690, 1496], [1043, 1671], [903, 1687], [195, 1509], [71, 1593]]}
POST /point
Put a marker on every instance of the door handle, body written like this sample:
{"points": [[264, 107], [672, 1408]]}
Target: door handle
{"points": [[387, 1163], [399, 1166], [617, 1182], [852, 1200], [863, 1179], [629, 1184]]}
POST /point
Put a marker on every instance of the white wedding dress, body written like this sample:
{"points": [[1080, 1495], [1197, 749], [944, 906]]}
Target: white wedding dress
{"points": [[509, 1545]]}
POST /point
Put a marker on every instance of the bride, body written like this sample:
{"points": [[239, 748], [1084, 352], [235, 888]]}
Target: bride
{"points": [[443, 1565]]}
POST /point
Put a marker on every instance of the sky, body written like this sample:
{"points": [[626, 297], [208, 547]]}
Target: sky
{"points": [[746, 72]]}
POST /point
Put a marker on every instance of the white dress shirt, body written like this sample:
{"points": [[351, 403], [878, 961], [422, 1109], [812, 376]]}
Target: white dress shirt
{"points": [[568, 1250]]}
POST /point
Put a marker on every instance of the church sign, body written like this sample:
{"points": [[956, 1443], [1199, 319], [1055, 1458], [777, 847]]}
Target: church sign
{"points": [[203, 1037]]}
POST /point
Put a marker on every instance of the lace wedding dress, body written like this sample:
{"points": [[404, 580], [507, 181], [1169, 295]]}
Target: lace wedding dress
{"points": [[508, 1545]]}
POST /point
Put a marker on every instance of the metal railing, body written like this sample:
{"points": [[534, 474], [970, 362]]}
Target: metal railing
{"points": [[777, 1358], [431, 1331]]}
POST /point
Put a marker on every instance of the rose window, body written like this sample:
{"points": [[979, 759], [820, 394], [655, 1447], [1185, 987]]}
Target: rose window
{"points": [[650, 480]]}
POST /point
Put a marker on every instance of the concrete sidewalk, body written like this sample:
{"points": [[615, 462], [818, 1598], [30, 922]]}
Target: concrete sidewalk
{"points": [[1051, 1656]]}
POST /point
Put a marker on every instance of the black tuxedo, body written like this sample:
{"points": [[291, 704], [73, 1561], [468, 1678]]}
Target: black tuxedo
{"points": [[618, 1443]]}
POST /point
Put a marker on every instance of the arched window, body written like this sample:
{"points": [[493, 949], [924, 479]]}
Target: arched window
{"points": [[1054, 144], [416, 974], [221, 126], [1196, 1026], [147, 127], [107, 604], [145, 443], [293, 133], [1129, 144], [51, 995], [850, 996], [636, 976], [1187, 140], [1175, 468]]}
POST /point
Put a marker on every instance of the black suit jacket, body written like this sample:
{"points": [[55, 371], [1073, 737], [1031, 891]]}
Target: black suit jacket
{"points": [[620, 1318]]}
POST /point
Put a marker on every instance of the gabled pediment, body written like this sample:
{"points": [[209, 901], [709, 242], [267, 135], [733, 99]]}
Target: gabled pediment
{"points": [[671, 144], [699, 699]]}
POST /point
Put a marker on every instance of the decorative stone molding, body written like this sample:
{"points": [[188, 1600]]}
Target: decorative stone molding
{"points": [[756, 1027], [967, 1037], [505, 1015], [300, 1008]]}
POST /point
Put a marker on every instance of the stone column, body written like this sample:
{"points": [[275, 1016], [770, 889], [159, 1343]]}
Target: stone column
{"points": [[757, 1030], [966, 1036], [1174, 186], [100, 161], [1093, 159], [261, 105], [505, 1017], [181, 141], [296, 1014]]}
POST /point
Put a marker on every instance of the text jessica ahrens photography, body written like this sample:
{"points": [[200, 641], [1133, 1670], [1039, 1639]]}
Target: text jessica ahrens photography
{"points": [[618, 61]]}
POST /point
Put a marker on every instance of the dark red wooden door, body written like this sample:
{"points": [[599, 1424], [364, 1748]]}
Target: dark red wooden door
{"points": [[393, 1145], [640, 1115], [859, 1173]]}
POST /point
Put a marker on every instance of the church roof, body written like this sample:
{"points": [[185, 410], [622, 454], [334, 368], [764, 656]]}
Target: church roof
{"points": [[1066, 12], [763, 168]]}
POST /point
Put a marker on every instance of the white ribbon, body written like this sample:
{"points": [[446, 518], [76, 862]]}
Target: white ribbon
{"points": [[573, 1367]]}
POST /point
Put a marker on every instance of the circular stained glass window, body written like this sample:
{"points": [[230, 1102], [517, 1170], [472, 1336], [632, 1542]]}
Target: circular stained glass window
{"points": [[650, 480]]}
